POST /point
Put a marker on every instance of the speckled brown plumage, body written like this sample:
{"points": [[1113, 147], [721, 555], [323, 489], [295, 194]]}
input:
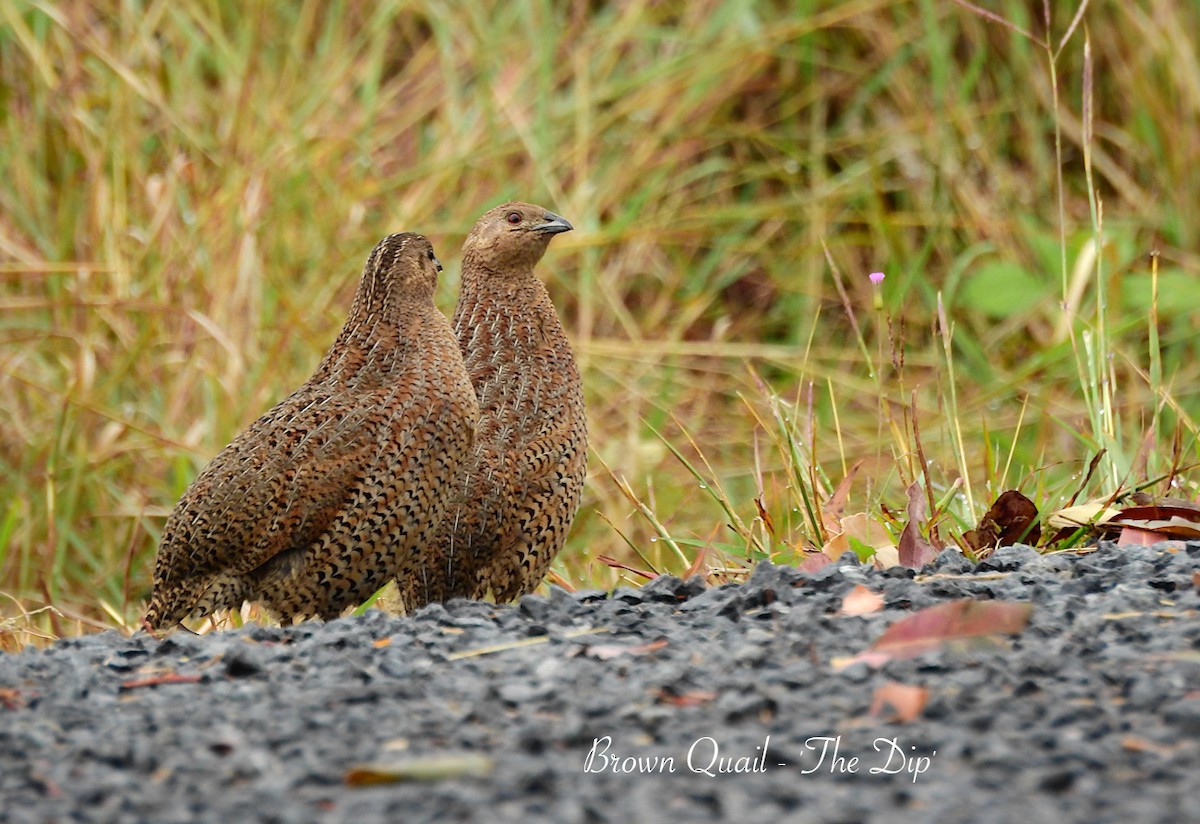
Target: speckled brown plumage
{"points": [[334, 491], [520, 491]]}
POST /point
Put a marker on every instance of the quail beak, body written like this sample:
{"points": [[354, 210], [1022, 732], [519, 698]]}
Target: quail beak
{"points": [[438, 264], [553, 225]]}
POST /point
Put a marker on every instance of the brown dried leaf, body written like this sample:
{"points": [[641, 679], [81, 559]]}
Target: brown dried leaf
{"points": [[861, 601], [1142, 499], [837, 501], [1012, 518], [935, 627], [767, 520], [914, 550], [902, 702], [1173, 521]]}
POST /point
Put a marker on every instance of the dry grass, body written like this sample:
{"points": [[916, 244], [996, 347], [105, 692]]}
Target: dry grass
{"points": [[190, 188]]}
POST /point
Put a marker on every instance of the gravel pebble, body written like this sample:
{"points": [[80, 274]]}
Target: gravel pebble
{"points": [[671, 702]]}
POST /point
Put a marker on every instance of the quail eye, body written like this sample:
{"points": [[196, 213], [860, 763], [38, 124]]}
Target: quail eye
{"points": [[514, 218], [430, 255]]}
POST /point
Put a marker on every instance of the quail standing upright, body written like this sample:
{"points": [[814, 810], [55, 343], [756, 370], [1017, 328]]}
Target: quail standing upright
{"points": [[522, 487], [336, 490]]}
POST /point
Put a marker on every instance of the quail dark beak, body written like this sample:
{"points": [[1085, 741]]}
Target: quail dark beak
{"points": [[553, 225]]}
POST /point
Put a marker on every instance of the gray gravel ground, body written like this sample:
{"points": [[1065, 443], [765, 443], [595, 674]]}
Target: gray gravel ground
{"points": [[1092, 714]]}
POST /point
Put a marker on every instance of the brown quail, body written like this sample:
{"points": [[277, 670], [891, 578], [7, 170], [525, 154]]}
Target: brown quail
{"points": [[335, 490], [523, 485]]}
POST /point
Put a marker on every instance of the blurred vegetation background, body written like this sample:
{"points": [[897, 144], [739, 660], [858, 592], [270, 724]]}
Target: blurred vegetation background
{"points": [[188, 191]]}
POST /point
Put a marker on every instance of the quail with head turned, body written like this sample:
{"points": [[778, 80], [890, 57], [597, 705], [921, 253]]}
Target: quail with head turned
{"points": [[522, 486], [336, 490]]}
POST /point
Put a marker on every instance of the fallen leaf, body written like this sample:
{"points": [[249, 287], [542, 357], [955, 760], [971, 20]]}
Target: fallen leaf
{"points": [[1095, 513], [936, 627], [1167, 502], [914, 550], [1135, 743], [605, 652], [433, 768], [902, 702], [1165, 525], [1011, 518], [814, 561], [1166, 517], [1132, 536], [887, 557], [861, 601], [687, 699], [862, 528]]}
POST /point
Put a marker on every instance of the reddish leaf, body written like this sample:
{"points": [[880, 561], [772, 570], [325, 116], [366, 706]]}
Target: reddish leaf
{"points": [[688, 699], [861, 601], [1168, 522], [915, 551], [767, 520], [1145, 506], [902, 702], [1132, 536], [814, 561], [935, 627]]}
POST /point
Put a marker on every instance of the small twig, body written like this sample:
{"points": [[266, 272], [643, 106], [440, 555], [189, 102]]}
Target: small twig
{"points": [[608, 560], [521, 643], [169, 678], [1008, 24]]}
